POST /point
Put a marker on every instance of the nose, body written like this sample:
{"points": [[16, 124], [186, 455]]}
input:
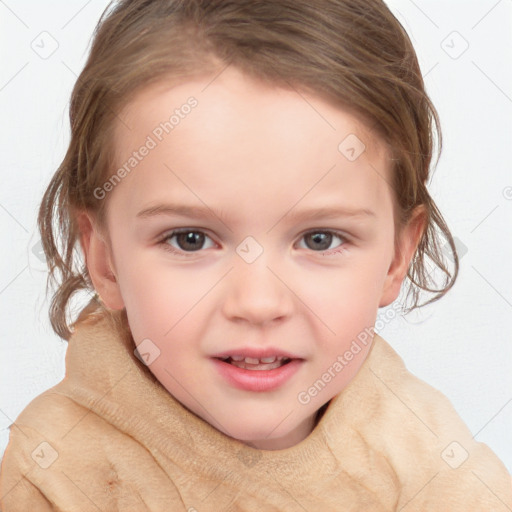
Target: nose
{"points": [[256, 293]]}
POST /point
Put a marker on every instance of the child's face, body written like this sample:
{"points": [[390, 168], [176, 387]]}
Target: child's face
{"points": [[262, 277]]}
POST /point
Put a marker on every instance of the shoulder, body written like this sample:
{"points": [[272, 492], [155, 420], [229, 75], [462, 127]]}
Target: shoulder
{"points": [[423, 411], [49, 418], [47, 443], [51, 412], [419, 403], [424, 437], [32, 445], [62, 453]]}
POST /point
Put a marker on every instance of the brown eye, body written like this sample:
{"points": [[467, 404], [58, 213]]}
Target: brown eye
{"points": [[186, 241], [321, 240], [190, 240]]}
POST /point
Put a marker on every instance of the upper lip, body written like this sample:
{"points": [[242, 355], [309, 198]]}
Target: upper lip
{"points": [[256, 353]]}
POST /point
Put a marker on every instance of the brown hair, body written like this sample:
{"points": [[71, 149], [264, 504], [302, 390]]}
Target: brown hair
{"points": [[353, 52]]}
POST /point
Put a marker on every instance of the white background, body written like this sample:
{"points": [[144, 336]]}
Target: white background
{"points": [[461, 345]]}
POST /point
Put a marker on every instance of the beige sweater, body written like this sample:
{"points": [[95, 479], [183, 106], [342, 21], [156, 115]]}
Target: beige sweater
{"points": [[109, 437]]}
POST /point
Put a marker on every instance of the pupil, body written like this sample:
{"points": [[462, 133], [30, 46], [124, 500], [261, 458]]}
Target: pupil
{"points": [[319, 238], [191, 237]]}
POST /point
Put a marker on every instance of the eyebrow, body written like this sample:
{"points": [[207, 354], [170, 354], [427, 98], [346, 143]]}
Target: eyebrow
{"points": [[201, 212]]}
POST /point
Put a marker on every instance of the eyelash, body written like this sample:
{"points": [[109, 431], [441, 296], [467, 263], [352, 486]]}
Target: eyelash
{"points": [[328, 252]]}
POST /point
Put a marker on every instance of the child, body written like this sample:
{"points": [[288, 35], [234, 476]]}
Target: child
{"points": [[244, 373]]}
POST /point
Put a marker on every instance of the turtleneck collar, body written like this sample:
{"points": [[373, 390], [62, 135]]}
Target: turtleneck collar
{"points": [[103, 373]]}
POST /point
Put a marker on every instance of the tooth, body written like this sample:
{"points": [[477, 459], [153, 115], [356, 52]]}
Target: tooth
{"points": [[237, 358], [251, 360], [244, 365], [268, 359]]}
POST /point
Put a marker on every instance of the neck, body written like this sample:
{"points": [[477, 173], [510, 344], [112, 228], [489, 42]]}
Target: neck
{"points": [[292, 438]]}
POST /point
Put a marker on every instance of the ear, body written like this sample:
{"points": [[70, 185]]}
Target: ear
{"points": [[99, 262], [408, 241]]}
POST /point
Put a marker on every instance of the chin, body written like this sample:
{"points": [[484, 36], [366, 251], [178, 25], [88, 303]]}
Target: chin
{"points": [[255, 434], [274, 443], [266, 436], [263, 443]]}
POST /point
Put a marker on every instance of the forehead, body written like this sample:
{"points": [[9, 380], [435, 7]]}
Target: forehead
{"points": [[233, 92], [246, 137]]}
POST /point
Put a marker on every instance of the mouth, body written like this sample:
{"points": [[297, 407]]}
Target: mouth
{"points": [[257, 374], [254, 363]]}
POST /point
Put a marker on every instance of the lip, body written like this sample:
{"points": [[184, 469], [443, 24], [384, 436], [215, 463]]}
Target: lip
{"points": [[257, 380], [256, 353]]}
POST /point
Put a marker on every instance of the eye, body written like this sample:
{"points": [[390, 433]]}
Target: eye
{"points": [[187, 240], [321, 240]]}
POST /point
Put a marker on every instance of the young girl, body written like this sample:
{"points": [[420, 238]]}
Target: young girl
{"points": [[246, 182]]}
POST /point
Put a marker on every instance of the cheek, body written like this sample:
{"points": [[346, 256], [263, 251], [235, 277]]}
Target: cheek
{"points": [[344, 296], [161, 300]]}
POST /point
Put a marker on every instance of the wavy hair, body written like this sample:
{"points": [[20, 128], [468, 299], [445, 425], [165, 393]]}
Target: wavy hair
{"points": [[353, 52]]}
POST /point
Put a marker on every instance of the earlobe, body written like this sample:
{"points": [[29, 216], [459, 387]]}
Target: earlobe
{"points": [[99, 262], [408, 242]]}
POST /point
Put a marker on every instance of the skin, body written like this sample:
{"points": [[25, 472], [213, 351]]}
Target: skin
{"points": [[254, 153]]}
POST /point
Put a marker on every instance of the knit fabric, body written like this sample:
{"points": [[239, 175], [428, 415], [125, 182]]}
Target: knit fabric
{"points": [[110, 437]]}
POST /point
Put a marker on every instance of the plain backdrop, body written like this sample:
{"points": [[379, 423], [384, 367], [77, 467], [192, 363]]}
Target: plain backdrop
{"points": [[461, 344]]}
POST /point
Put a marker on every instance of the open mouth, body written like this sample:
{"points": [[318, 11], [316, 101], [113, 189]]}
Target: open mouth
{"points": [[250, 363], [261, 374]]}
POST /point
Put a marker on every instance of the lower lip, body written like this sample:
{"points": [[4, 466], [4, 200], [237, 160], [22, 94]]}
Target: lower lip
{"points": [[257, 380]]}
